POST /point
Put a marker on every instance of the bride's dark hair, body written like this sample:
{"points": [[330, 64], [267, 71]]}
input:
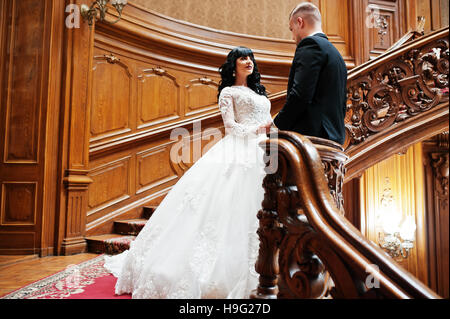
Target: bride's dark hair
{"points": [[227, 69]]}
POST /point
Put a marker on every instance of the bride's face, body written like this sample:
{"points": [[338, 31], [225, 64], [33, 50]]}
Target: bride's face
{"points": [[244, 66]]}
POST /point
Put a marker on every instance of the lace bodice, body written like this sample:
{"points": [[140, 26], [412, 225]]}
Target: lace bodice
{"points": [[243, 110]]}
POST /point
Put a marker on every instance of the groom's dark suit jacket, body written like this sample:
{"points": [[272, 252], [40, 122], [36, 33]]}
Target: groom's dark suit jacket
{"points": [[316, 94]]}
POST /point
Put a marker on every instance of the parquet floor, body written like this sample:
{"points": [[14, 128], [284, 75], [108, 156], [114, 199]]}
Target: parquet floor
{"points": [[19, 271]]}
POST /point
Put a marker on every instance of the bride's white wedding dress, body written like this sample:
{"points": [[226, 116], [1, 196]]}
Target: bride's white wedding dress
{"points": [[201, 241]]}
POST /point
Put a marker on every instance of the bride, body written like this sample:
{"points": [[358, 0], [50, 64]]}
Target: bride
{"points": [[201, 241]]}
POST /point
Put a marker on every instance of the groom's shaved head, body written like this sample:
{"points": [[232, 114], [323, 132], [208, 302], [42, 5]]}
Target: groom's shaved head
{"points": [[308, 12]]}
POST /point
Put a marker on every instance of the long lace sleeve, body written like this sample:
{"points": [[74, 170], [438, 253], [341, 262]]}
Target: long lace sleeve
{"points": [[269, 118], [227, 111]]}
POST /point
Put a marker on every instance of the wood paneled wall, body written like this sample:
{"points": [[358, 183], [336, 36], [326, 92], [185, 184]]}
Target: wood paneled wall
{"points": [[130, 136], [434, 11], [29, 117], [399, 178], [419, 182]]}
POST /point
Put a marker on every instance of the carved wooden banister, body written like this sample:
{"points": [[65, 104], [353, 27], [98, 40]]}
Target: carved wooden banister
{"points": [[398, 85], [403, 89], [304, 238]]}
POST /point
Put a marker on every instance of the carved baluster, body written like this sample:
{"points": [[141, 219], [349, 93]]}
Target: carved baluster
{"points": [[440, 164], [287, 261], [270, 235], [301, 271], [334, 172]]}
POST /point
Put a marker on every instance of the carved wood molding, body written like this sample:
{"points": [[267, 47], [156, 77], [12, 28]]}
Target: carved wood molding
{"points": [[404, 90], [400, 85], [112, 59], [398, 137], [160, 72], [304, 236], [77, 179], [193, 43], [439, 162]]}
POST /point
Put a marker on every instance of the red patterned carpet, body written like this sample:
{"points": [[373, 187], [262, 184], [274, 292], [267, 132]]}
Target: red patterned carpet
{"points": [[87, 280]]}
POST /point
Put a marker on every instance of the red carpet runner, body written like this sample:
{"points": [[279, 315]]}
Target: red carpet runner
{"points": [[87, 280]]}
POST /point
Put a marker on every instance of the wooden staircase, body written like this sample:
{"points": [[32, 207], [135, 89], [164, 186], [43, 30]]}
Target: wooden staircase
{"points": [[125, 231]]}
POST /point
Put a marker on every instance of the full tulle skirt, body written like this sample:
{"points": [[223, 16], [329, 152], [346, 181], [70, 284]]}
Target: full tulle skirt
{"points": [[201, 241]]}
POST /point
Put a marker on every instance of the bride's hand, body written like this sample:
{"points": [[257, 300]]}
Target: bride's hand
{"points": [[264, 129]]}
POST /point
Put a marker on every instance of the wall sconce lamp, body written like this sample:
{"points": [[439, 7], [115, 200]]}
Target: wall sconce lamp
{"points": [[99, 7], [398, 240]]}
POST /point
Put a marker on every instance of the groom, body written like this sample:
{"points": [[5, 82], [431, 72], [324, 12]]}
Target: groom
{"points": [[316, 94]]}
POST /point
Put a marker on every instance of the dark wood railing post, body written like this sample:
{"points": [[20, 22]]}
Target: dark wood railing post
{"points": [[308, 249], [284, 233], [270, 235]]}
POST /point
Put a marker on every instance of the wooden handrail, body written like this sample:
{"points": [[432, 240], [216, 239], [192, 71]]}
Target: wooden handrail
{"points": [[397, 51], [304, 236], [410, 35]]}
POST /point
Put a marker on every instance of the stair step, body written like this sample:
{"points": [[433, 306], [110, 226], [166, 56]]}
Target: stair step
{"points": [[147, 211], [110, 244], [125, 231], [129, 226]]}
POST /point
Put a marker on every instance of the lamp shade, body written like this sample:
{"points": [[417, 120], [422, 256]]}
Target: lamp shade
{"points": [[408, 228]]}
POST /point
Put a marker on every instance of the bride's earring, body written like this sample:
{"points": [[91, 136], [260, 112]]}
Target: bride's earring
{"points": [[234, 74]]}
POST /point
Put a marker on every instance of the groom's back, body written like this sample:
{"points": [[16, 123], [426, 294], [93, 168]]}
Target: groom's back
{"points": [[316, 95], [330, 98]]}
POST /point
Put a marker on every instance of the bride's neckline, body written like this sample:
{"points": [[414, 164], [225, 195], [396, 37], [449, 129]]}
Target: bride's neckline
{"points": [[244, 87]]}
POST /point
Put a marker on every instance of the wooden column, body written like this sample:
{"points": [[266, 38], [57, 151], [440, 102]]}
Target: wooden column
{"points": [[436, 163], [75, 154]]}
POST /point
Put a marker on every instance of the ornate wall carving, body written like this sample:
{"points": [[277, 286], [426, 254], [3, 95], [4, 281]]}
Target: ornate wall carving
{"points": [[439, 162], [398, 90], [406, 87]]}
